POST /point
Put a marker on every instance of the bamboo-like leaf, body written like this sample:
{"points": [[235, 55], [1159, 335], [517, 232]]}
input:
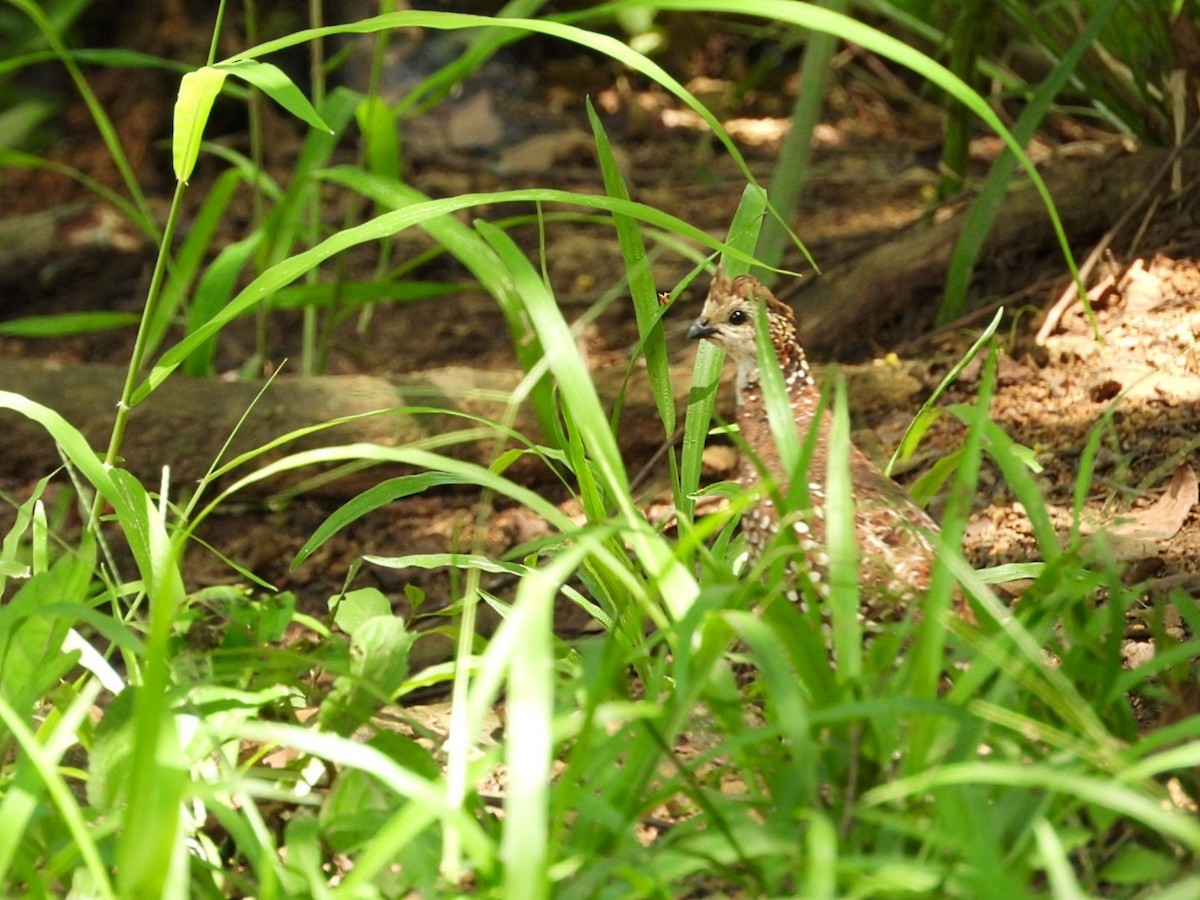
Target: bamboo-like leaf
{"points": [[592, 40], [842, 543], [706, 371], [641, 283], [371, 499], [377, 124], [273, 82], [807, 15], [197, 92], [190, 256], [287, 271], [213, 292]]}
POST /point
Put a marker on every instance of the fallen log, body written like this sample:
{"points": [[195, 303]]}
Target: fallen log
{"points": [[841, 309], [185, 422]]}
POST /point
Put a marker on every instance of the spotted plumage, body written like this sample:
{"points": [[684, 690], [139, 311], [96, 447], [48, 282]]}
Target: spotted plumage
{"points": [[893, 532]]}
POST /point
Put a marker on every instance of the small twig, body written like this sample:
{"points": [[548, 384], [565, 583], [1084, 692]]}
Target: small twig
{"points": [[644, 472]]}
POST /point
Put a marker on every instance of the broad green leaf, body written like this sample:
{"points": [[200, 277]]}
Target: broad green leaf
{"points": [[706, 371], [212, 292], [355, 808], [31, 660], [379, 649], [355, 607], [197, 92], [110, 753], [272, 81], [1135, 864], [377, 123]]}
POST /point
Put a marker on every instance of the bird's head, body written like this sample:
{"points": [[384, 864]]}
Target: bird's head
{"points": [[728, 320]]}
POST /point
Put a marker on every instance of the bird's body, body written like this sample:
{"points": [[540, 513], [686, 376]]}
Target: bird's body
{"points": [[893, 533]]}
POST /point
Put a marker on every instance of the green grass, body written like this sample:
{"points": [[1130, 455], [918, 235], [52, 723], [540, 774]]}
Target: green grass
{"points": [[230, 762]]}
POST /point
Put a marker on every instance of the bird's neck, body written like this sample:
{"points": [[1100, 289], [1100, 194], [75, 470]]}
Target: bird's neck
{"points": [[793, 365], [804, 400]]}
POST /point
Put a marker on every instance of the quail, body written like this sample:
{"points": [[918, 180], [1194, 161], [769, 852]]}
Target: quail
{"points": [[893, 533]]}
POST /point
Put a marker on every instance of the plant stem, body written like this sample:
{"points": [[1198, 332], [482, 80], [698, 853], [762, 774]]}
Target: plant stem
{"points": [[216, 33], [124, 407], [969, 40], [254, 112], [316, 19]]}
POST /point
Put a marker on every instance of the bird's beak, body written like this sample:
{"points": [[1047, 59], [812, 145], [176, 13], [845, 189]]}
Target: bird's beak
{"points": [[700, 329]]}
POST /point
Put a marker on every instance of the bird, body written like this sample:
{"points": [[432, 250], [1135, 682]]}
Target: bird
{"points": [[894, 535]]}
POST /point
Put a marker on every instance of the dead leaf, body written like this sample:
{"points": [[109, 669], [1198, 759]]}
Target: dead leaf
{"points": [[1142, 290], [1145, 384], [1138, 535], [1163, 520], [1168, 388]]}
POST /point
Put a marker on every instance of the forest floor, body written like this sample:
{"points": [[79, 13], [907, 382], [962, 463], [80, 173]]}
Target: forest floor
{"points": [[1136, 377]]}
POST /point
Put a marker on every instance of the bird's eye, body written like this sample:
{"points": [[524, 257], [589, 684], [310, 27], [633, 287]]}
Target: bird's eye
{"points": [[737, 317]]}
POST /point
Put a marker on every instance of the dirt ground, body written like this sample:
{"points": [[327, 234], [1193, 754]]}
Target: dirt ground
{"points": [[874, 170]]}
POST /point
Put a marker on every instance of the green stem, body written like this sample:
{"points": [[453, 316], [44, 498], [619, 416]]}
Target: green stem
{"points": [[144, 327], [968, 42], [254, 112], [317, 67], [216, 33]]}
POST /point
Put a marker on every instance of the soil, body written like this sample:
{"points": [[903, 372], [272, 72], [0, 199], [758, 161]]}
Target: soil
{"points": [[1134, 375]]}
